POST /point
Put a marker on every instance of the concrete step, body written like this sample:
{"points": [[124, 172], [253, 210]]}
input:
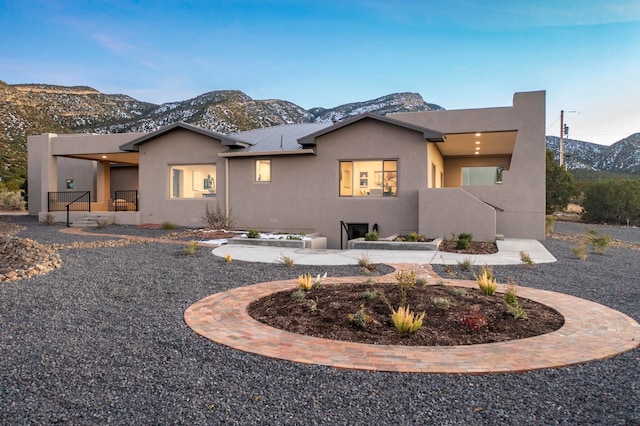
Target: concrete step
{"points": [[499, 237], [93, 221]]}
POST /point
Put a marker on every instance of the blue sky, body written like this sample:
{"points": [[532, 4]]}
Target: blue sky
{"points": [[455, 53]]}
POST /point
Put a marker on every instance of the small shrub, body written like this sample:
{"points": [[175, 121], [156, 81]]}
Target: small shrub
{"points": [[549, 223], [364, 260], [458, 291], [11, 201], [227, 257], [49, 219], [311, 305], [441, 303], [526, 260], [168, 225], [414, 237], [299, 294], [486, 281], [406, 321], [517, 311], [599, 243], [190, 250], [371, 236], [423, 282], [370, 281], [102, 223], [217, 219], [464, 241], [360, 319], [286, 260], [304, 282], [473, 319], [466, 264], [368, 295], [317, 283], [406, 279], [253, 233], [511, 295], [580, 250]]}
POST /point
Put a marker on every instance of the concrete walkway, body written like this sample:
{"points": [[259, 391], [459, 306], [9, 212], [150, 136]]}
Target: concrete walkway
{"points": [[508, 254]]}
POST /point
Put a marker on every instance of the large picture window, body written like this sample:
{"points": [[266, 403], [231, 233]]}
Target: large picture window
{"points": [[192, 180], [378, 178]]}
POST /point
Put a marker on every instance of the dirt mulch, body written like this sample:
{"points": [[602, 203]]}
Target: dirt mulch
{"points": [[328, 312], [475, 247]]}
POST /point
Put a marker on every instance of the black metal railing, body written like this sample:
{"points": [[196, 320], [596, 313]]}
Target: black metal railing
{"points": [[69, 200], [126, 200]]}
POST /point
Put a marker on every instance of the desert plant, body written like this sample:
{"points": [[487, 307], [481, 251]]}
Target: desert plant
{"points": [[486, 281], [317, 283], [102, 223], [441, 303], [517, 311], [511, 294], [168, 225], [299, 294], [406, 321], [466, 264], [11, 201], [526, 260], [369, 294], [579, 250], [217, 219], [253, 233], [360, 319], [311, 305], [414, 237], [464, 241], [364, 260], [423, 282], [191, 248], [49, 219], [227, 257], [304, 282], [549, 223], [599, 243], [406, 279], [371, 236], [295, 237], [286, 260], [473, 319], [370, 281], [458, 291]]}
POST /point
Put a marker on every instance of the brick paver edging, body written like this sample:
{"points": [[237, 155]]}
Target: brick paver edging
{"points": [[591, 332]]}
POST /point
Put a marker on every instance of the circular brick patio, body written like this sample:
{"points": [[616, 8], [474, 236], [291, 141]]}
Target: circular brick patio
{"points": [[591, 331]]}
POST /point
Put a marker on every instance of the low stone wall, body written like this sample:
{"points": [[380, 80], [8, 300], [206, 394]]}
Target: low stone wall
{"points": [[361, 244], [313, 241]]}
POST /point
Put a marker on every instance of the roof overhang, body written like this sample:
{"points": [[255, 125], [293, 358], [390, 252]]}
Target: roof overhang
{"points": [[230, 154], [478, 143]]}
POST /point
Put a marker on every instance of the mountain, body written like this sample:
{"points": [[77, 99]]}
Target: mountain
{"points": [[27, 109], [621, 157]]}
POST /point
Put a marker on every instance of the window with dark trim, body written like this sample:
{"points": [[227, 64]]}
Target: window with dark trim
{"points": [[368, 178]]}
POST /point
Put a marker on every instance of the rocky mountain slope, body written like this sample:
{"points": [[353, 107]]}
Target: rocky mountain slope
{"points": [[27, 109], [620, 157]]}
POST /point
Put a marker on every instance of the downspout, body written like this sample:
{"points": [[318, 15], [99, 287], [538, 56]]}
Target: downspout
{"points": [[226, 187]]}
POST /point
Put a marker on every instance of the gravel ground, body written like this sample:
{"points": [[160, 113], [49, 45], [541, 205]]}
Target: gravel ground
{"points": [[102, 341]]}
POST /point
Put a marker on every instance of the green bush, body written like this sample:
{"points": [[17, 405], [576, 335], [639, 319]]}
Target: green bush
{"points": [[11, 201], [464, 241], [614, 201], [253, 233], [371, 236]]}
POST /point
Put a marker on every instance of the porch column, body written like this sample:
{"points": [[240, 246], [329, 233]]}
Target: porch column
{"points": [[103, 183]]}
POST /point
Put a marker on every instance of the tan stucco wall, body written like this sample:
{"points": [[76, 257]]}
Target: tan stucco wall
{"points": [[123, 178], [435, 158], [303, 193], [177, 147], [522, 192]]}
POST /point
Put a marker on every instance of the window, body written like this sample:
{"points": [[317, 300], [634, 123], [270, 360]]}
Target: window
{"points": [[368, 178], [481, 175], [263, 171], [192, 181]]}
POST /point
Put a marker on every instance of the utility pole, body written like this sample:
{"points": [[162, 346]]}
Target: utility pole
{"points": [[561, 137]]}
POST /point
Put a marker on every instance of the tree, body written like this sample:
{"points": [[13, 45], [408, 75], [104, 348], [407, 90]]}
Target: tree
{"points": [[613, 201], [560, 185]]}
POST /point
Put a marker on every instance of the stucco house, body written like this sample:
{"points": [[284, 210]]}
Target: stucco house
{"points": [[438, 173]]}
